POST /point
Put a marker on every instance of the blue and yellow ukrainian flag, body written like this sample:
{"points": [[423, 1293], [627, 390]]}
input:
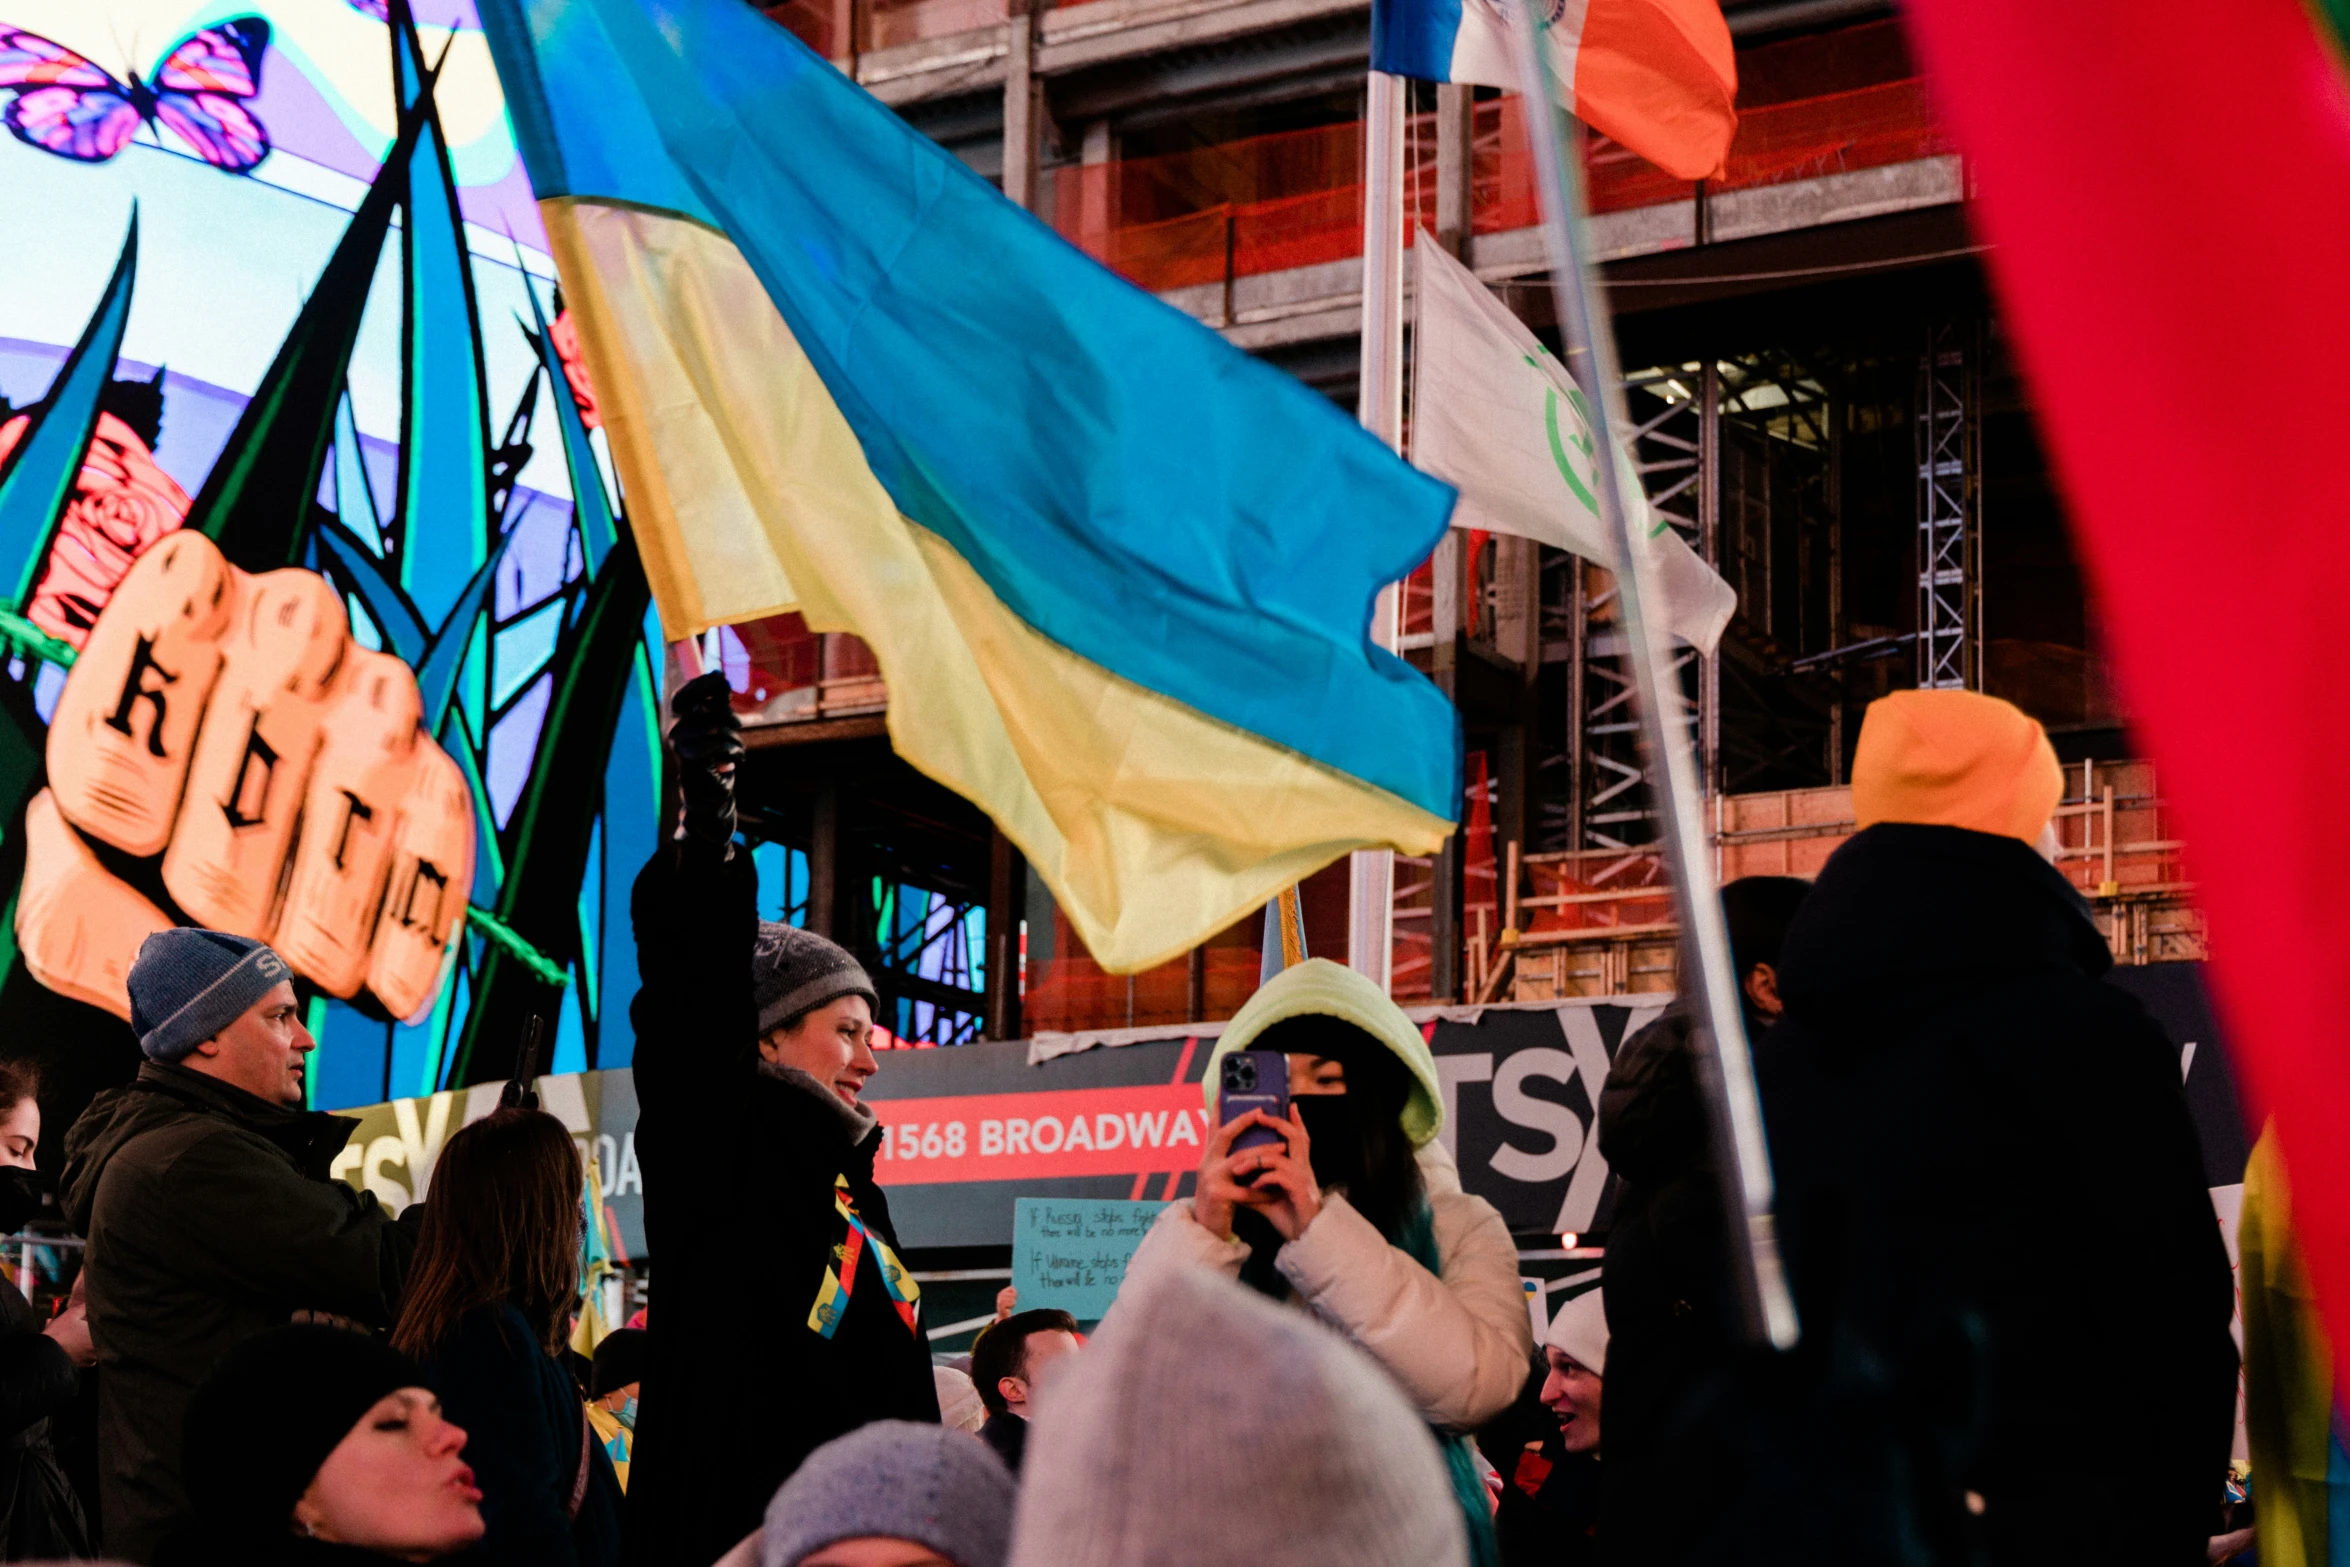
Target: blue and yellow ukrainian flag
{"points": [[1117, 573]]}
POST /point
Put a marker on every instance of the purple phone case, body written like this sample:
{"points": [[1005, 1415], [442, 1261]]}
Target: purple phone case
{"points": [[1272, 1068]]}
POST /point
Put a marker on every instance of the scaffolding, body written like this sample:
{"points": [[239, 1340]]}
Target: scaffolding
{"points": [[2114, 843], [1673, 438], [1950, 531], [1780, 548], [1738, 454]]}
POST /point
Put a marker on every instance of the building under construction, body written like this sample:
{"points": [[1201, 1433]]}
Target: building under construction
{"points": [[1824, 404]]}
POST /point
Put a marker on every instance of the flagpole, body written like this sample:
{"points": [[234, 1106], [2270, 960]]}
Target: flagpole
{"points": [[1708, 984], [1371, 872]]}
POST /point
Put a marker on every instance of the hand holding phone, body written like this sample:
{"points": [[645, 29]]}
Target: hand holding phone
{"points": [[1254, 1080], [1279, 1182]]}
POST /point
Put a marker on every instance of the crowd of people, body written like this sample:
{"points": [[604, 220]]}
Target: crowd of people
{"points": [[2014, 1296]]}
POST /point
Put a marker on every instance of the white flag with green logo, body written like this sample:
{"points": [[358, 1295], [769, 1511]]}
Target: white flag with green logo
{"points": [[1497, 416]]}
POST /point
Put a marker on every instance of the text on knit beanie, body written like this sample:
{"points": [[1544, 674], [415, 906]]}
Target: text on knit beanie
{"points": [[1954, 759], [795, 970], [1204, 1423], [1319, 986], [187, 985], [895, 1480], [1578, 1330], [269, 1414]]}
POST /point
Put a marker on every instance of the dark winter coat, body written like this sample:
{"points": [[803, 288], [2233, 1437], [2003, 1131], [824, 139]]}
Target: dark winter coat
{"points": [[739, 1168], [1993, 1212], [40, 1516], [210, 1217], [197, 1546], [1549, 1508], [1672, 1318], [1548, 1511], [1007, 1433], [524, 1426]]}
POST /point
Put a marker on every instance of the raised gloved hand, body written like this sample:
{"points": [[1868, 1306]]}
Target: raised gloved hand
{"points": [[708, 740]]}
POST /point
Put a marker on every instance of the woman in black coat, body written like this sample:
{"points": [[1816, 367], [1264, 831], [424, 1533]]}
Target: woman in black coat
{"points": [[40, 1516], [489, 1295], [787, 1318], [316, 1446]]}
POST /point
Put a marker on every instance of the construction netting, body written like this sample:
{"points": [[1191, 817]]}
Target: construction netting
{"points": [[1211, 214], [828, 26]]}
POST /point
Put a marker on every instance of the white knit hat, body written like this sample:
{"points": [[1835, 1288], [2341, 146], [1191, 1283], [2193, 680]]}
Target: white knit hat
{"points": [[1205, 1424], [959, 1404], [1578, 1330]]}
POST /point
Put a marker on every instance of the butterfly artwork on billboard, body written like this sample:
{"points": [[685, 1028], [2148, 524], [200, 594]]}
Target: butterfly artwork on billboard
{"points": [[65, 105], [319, 620]]}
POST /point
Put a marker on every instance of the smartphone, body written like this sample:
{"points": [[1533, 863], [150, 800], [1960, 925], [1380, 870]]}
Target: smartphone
{"points": [[1255, 1080]]}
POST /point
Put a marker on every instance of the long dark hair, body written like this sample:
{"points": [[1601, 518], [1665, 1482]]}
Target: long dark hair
{"points": [[501, 1226], [1374, 1162]]}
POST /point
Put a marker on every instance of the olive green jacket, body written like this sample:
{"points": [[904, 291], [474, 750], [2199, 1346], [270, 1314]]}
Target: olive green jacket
{"points": [[211, 1217]]}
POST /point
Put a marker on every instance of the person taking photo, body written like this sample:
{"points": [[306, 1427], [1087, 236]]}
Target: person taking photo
{"points": [[1357, 1213]]}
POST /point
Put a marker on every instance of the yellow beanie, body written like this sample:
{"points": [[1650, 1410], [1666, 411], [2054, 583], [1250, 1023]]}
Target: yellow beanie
{"points": [[1955, 759]]}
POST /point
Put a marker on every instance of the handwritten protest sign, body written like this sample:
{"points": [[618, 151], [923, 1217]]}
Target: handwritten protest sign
{"points": [[1072, 1253]]}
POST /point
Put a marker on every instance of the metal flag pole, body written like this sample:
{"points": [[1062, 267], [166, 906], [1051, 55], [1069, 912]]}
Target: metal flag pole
{"points": [[1371, 872], [1708, 979]]}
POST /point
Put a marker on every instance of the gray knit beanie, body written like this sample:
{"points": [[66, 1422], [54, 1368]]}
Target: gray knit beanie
{"points": [[795, 971], [1198, 1389], [895, 1480], [187, 985]]}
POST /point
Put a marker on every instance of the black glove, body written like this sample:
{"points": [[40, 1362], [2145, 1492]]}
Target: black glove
{"points": [[708, 740]]}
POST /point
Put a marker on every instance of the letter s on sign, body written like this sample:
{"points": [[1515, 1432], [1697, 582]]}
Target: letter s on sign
{"points": [[1521, 1108]]}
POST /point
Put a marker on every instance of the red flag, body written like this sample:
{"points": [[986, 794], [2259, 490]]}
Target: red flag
{"points": [[2166, 191]]}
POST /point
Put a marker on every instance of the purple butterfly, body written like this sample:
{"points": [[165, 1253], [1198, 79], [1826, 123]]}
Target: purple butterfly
{"points": [[68, 106]]}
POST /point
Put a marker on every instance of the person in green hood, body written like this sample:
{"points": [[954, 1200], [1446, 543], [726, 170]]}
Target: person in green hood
{"points": [[1359, 1215]]}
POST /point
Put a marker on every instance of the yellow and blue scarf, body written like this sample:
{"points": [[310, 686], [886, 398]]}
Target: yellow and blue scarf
{"points": [[840, 1274]]}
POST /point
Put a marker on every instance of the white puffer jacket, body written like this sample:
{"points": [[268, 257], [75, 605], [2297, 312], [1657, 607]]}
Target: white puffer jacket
{"points": [[1459, 1345]]}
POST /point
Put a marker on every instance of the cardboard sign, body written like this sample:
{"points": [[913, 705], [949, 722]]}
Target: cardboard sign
{"points": [[1070, 1254]]}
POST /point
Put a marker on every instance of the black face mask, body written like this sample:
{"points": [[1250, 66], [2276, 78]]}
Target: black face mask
{"points": [[1337, 1141], [20, 1197]]}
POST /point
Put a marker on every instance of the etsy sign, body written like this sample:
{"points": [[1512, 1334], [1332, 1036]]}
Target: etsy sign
{"points": [[1040, 1136]]}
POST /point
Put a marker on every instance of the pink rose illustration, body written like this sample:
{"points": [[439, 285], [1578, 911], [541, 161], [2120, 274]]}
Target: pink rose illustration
{"points": [[121, 504]]}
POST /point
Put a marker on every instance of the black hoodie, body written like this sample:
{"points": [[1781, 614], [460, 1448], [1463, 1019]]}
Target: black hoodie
{"points": [[1672, 1314], [2014, 1295]]}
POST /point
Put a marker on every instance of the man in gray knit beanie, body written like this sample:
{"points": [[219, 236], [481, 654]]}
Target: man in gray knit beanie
{"points": [[207, 1193], [925, 1488], [1206, 1425], [188, 986]]}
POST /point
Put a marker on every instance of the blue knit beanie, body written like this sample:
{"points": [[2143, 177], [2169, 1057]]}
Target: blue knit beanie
{"points": [[189, 984]]}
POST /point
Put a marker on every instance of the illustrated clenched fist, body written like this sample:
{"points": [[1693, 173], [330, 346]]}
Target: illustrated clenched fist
{"points": [[226, 721]]}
